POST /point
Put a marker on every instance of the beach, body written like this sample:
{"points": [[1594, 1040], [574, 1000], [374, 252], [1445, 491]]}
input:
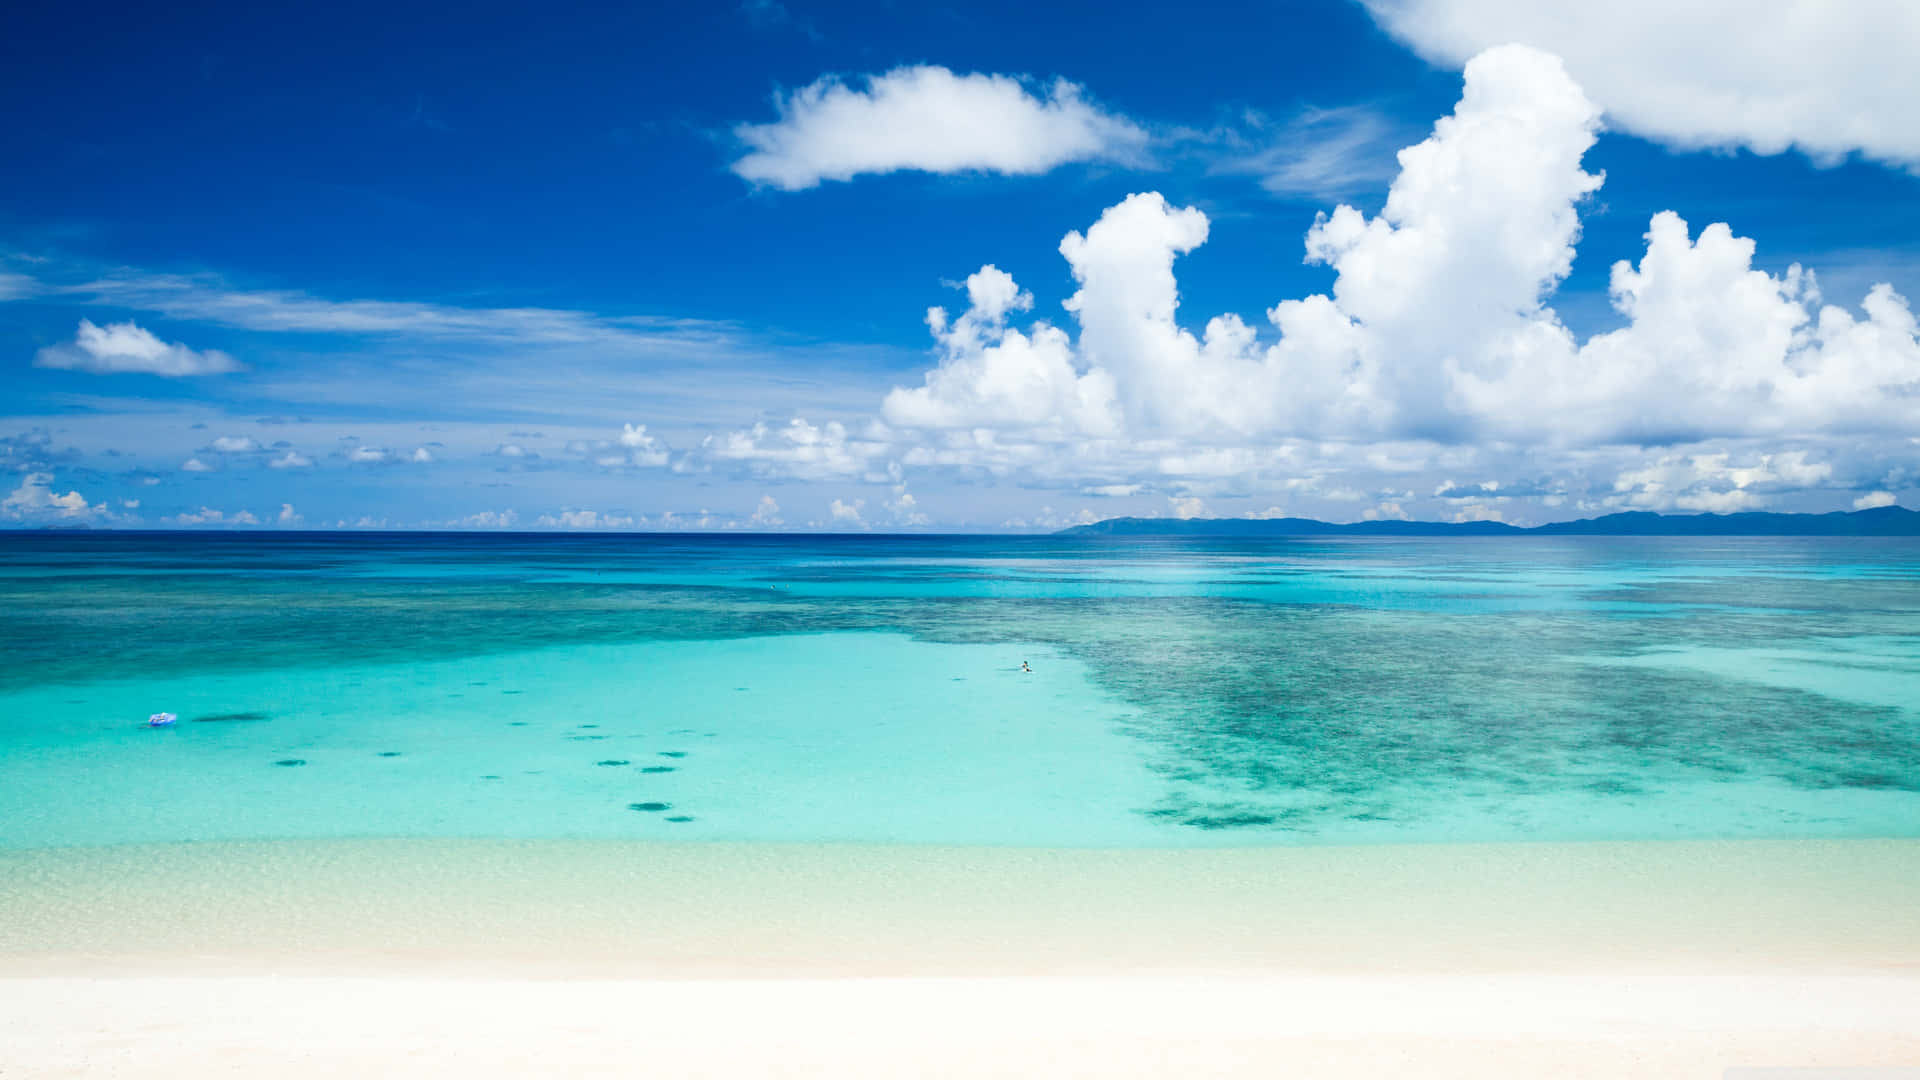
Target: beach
{"points": [[957, 806], [1327, 1025], [489, 957], [781, 538]]}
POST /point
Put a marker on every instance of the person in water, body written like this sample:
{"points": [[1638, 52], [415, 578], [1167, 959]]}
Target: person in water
{"points": [[1024, 667]]}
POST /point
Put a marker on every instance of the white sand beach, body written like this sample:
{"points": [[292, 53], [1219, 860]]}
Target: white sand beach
{"points": [[1157, 1025], [499, 958]]}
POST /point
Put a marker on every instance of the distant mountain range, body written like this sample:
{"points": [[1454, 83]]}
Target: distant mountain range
{"points": [[1879, 521]]}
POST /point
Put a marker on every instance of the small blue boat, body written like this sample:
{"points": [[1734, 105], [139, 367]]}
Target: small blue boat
{"points": [[161, 719]]}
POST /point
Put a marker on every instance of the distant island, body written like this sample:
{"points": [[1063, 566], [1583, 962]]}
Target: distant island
{"points": [[1879, 521]]}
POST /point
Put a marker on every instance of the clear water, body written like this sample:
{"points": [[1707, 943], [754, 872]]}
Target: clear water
{"points": [[1183, 692]]}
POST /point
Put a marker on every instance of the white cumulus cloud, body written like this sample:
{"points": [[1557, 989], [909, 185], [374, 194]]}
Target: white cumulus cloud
{"points": [[1827, 78], [35, 499], [489, 519], [125, 347], [930, 119], [1437, 333], [1715, 482], [209, 516], [644, 450], [798, 449], [847, 513], [585, 519], [904, 509], [633, 447], [1187, 507], [994, 376]]}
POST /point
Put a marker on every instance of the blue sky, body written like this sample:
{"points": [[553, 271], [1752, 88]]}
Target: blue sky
{"points": [[547, 267]]}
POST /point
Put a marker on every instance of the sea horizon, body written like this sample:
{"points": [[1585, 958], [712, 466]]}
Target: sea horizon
{"points": [[1892, 520]]}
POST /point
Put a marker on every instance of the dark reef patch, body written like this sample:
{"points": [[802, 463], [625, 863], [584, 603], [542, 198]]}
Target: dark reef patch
{"points": [[1614, 785], [1231, 821], [231, 718], [291, 762], [657, 769], [614, 761], [673, 753], [649, 807]]}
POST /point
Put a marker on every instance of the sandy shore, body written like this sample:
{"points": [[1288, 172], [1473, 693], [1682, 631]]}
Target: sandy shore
{"points": [[1260, 1025], [494, 958]]}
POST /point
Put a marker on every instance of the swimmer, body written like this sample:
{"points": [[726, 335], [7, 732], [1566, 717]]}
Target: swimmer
{"points": [[1025, 668]]}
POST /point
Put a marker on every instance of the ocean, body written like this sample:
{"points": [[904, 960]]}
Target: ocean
{"points": [[1176, 692]]}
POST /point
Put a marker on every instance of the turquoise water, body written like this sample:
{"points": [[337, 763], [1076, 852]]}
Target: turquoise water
{"points": [[1183, 692]]}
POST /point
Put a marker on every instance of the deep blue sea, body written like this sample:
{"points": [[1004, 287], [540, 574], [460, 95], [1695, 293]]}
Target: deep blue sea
{"points": [[870, 688]]}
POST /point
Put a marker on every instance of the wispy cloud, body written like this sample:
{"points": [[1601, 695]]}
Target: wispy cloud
{"points": [[207, 298], [494, 363], [17, 286], [1319, 154]]}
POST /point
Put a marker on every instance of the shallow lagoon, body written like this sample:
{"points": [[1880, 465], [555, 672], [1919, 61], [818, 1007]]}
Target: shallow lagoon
{"points": [[1184, 692]]}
